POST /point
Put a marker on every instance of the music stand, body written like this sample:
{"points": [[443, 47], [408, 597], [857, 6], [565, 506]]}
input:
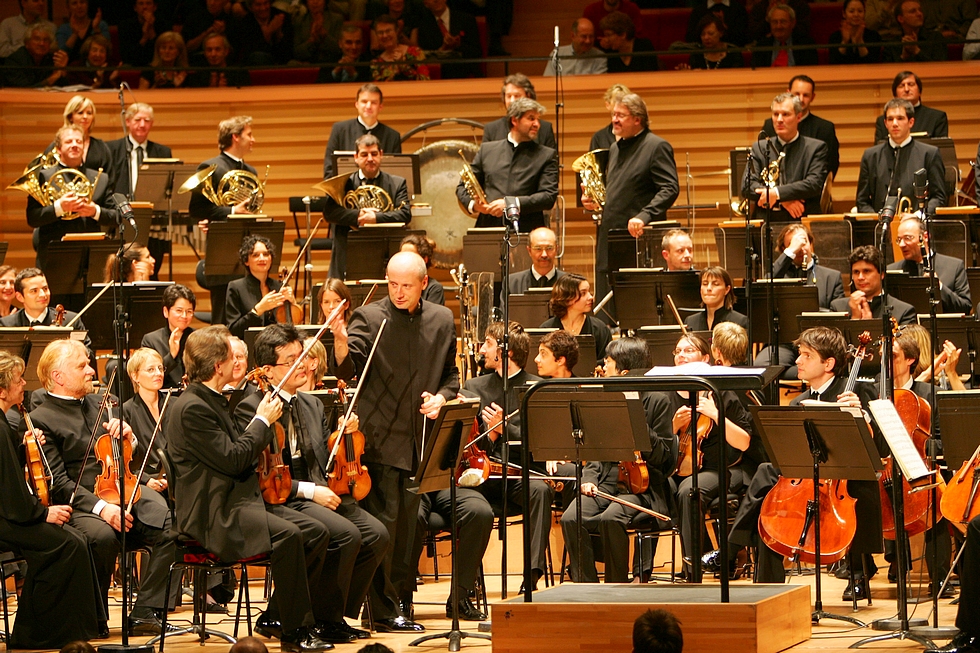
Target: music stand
{"points": [[586, 354], [437, 471], [224, 239], [791, 296], [960, 438], [68, 276], [819, 442], [641, 295], [481, 250], [661, 341], [627, 251], [909, 289], [28, 343], [964, 332], [531, 308], [587, 424], [143, 303], [370, 247], [403, 164]]}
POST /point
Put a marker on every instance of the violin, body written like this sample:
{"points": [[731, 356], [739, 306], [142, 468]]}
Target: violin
{"points": [[288, 313], [634, 475], [115, 456], [348, 475], [474, 466], [961, 500], [59, 316], [38, 471], [275, 479]]}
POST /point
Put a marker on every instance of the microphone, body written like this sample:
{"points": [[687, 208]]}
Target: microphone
{"points": [[920, 184], [125, 210], [556, 36], [888, 210], [512, 211]]}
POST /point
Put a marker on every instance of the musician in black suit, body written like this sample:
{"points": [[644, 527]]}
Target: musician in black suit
{"points": [[68, 417], [31, 290], [954, 287], [413, 374], [717, 298], [931, 122], [216, 490], [517, 167], [967, 640], [60, 601], [452, 32], [358, 541], [865, 302], [179, 303], [542, 247], [252, 300], [641, 181], [343, 136], [801, 161], [812, 125], [891, 165], [235, 141], [425, 247], [127, 157], [95, 213], [515, 87], [368, 157], [608, 519]]}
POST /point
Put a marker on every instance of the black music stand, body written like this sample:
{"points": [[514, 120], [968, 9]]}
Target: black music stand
{"points": [[28, 343], [909, 289], [370, 247], [661, 341], [143, 303], [641, 295], [68, 276], [224, 239], [481, 250], [820, 442], [586, 353], [586, 425], [791, 297], [437, 471], [530, 308], [156, 184], [964, 332]]}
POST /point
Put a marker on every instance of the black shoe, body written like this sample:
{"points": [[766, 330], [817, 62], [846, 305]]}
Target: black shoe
{"points": [[271, 628], [216, 608], [859, 589], [893, 572], [407, 608], [356, 632], [948, 592], [537, 574], [962, 643], [467, 611], [103, 630], [398, 625], [331, 631], [711, 561], [145, 621], [303, 640], [842, 572]]}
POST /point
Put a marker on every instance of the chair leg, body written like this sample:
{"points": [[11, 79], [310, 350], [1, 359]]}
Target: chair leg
{"points": [[243, 586], [3, 597], [163, 619]]}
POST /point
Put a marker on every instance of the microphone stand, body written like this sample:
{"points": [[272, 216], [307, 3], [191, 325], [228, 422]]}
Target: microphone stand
{"points": [[766, 259], [559, 137], [512, 211]]}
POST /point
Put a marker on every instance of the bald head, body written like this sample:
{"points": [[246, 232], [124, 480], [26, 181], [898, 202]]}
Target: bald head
{"points": [[407, 279], [542, 246]]}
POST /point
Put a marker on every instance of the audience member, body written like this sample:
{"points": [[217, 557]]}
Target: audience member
{"points": [[782, 33], [657, 631], [599, 9], [856, 43], [169, 63], [138, 33], [316, 31], [36, 64], [619, 36], [265, 36], [217, 49], [397, 61], [78, 26], [581, 57], [879, 15], [919, 42], [759, 18], [351, 52], [930, 122], [951, 18], [714, 51], [406, 19], [95, 59], [354, 10], [602, 139], [13, 30], [972, 50], [499, 16], [448, 34], [203, 20], [734, 18]]}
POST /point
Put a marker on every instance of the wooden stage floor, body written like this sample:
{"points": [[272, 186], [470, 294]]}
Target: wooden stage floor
{"points": [[829, 636]]}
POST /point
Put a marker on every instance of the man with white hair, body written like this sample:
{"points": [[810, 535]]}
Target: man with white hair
{"points": [[580, 57]]}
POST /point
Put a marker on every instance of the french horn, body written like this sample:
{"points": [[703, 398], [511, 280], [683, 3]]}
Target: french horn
{"points": [[591, 166], [363, 197], [234, 187], [471, 183]]}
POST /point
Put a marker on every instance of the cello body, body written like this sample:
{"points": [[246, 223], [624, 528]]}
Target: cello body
{"points": [[786, 515]]}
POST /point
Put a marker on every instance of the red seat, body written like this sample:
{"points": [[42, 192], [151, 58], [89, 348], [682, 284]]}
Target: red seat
{"points": [[284, 76], [664, 26], [824, 20], [671, 61]]}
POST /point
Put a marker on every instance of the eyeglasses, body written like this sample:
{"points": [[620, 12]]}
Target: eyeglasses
{"points": [[686, 350], [539, 248], [289, 362], [179, 312], [907, 240]]}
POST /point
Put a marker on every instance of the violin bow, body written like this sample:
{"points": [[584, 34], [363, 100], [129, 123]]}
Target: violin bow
{"points": [[103, 405], [149, 448], [306, 245], [677, 316], [357, 393], [78, 315]]}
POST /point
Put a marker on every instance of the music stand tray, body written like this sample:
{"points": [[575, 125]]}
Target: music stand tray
{"points": [[792, 298], [156, 182], [29, 342], [532, 307], [641, 295]]}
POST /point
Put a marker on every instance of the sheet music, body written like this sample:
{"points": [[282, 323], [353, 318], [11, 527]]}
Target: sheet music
{"points": [[899, 440]]}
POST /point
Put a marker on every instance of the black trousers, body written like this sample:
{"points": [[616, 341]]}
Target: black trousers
{"points": [[542, 496], [938, 541], [708, 488], [397, 509], [474, 519], [61, 601], [374, 547], [968, 613], [609, 521], [299, 547]]}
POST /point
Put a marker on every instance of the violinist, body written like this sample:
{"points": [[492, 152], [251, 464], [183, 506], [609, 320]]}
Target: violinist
{"points": [[332, 293], [252, 300], [603, 517], [968, 611], [717, 298], [738, 432], [358, 541], [557, 356], [418, 348], [60, 601], [217, 494], [146, 371], [67, 417], [179, 303], [493, 406], [571, 304], [31, 290]]}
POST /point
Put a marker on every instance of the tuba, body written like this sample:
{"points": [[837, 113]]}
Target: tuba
{"points": [[235, 187], [471, 183], [591, 166], [367, 196]]}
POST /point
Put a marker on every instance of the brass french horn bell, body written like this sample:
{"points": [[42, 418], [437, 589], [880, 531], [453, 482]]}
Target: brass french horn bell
{"points": [[198, 179]]}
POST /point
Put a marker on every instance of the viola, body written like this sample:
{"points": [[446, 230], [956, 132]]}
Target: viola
{"points": [[474, 466], [686, 446], [634, 475], [115, 456], [288, 313], [348, 475], [37, 470], [275, 479], [59, 316], [961, 500]]}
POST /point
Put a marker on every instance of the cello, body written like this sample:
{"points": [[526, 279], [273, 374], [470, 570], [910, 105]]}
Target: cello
{"points": [[788, 512], [961, 500]]}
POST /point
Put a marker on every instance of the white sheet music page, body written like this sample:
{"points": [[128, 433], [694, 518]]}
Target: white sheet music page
{"points": [[898, 439]]}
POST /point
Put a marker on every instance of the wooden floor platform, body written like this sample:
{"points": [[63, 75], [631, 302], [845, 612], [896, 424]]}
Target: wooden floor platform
{"points": [[567, 618]]}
